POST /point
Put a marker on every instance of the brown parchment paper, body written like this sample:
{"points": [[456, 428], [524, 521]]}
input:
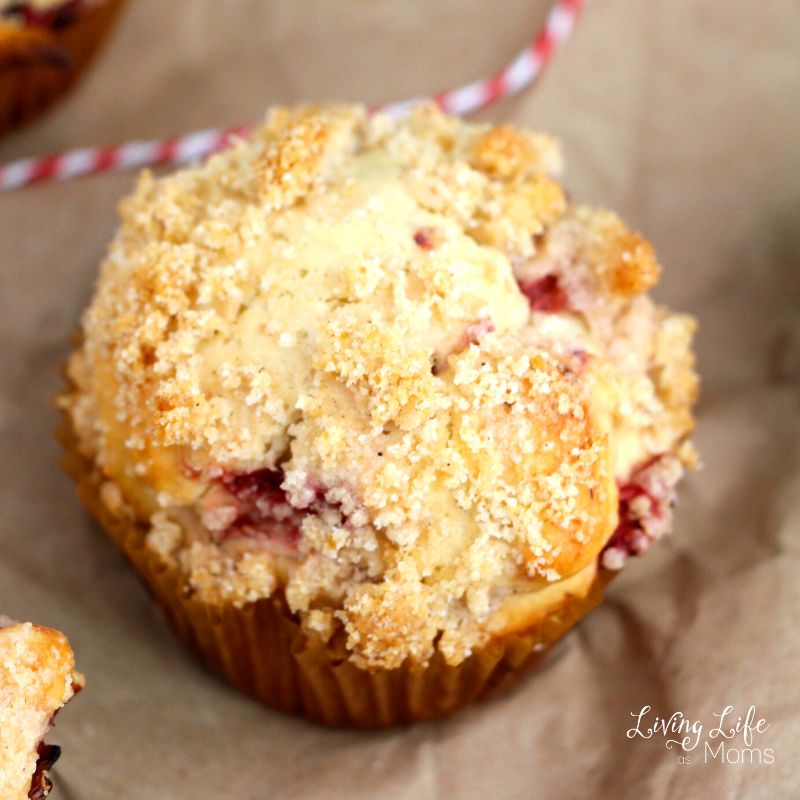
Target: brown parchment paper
{"points": [[685, 117]]}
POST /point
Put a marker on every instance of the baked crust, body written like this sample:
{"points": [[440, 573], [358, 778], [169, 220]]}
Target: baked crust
{"points": [[44, 49], [386, 369], [37, 677], [22, 46], [263, 648]]}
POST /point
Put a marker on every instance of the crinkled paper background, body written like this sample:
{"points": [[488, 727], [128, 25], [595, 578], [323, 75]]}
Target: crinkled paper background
{"points": [[682, 115]]}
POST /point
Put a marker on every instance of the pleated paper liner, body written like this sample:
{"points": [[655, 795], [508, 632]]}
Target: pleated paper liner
{"points": [[261, 649], [39, 65]]}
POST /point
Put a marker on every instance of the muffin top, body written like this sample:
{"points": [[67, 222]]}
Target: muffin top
{"points": [[18, 7], [37, 676], [386, 368], [25, 11], [26, 30]]}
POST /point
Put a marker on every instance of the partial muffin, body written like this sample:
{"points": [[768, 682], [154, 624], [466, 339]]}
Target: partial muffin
{"points": [[37, 677], [45, 46], [375, 409]]}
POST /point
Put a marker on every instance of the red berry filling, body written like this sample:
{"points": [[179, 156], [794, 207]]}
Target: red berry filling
{"points": [[257, 491], [645, 503], [255, 504], [475, 331], [546, 294], [55, 17], [425, 238], [629, 534], [41, 783], [251, 504]]}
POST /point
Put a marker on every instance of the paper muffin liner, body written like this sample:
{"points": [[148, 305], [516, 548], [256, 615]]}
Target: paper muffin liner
{"points": [[261, 649], [36, 71]]}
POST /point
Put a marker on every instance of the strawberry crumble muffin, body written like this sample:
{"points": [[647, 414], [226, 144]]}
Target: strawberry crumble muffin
{"points": [[37, 677], [375, 409], [45, 46]]}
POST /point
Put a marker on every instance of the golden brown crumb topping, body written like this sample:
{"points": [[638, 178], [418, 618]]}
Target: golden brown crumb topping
{"points": [[37, 676], [400, 343]]}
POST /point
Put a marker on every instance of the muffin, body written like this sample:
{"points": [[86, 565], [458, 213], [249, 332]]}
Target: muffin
{"points": [[37, 677], [375, 410], [45, 46]]}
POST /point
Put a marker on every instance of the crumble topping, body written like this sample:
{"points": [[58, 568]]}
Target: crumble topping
{"points": [[386, 367], [37, 677]]}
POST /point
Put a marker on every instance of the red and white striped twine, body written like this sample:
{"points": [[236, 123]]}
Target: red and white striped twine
{"points": [[520, 73]]}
